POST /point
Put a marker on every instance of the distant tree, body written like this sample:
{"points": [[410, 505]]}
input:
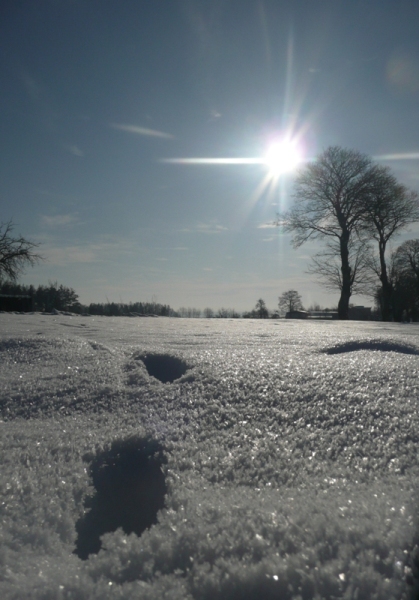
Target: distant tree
{"points": [[139, 308], [260, 309], [56, 296], [45, 297], [315, 307], [189, 312], [16, 253], [390, 208], [329, 203], [208, 313], [227, 313], [290, 301]]}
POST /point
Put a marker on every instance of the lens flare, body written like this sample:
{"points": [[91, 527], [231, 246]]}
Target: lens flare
{"points": [[282, 156]]}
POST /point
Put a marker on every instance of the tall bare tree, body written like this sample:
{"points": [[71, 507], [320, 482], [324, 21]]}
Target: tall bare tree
{"points": [[16, 252], [329, 203], [390, 208]]}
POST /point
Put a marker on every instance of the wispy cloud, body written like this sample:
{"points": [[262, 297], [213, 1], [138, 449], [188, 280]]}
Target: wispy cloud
{"points": [[39, 95], [62, 256], [32, 87], [399, 156], [74, 150], [141, 131], [267, 226], [211, 228], [58, 220], [208, 228], [82, 252], [215, 114]]}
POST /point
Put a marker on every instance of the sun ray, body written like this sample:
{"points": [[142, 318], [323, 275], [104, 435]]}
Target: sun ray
{"points": [[213, 161]]}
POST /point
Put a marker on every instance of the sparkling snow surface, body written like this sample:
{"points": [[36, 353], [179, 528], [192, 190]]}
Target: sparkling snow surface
{"points": [[290, 457]]}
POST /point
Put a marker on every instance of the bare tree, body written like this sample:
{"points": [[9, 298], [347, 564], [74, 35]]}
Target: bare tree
{"points": [[290, 301], [329, 203], [327, 266], [390, 208], [15, 252]]}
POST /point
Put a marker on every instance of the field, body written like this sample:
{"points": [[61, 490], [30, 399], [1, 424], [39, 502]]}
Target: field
{"points": [[208, 459]]}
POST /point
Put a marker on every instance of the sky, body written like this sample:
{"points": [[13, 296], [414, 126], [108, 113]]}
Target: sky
{"points": [[102, 100]]}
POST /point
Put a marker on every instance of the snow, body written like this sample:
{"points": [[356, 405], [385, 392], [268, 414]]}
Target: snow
{"points": [[289, 452]]}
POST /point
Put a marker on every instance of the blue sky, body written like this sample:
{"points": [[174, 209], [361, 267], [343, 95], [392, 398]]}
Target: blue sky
{"points": [[97, 94]]}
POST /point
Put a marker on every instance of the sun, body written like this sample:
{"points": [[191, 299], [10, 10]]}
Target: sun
{"points": [[282, 156]]}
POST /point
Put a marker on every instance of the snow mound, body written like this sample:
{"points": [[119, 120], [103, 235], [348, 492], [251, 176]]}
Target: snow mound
{"points": [[372, 344]]}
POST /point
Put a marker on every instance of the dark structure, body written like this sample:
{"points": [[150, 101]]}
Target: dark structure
{"points": [[297, 314], [360, 313], [10, 303]]}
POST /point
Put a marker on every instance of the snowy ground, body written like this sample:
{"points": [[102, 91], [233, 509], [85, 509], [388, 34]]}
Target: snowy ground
{"points": [[282, 464]]}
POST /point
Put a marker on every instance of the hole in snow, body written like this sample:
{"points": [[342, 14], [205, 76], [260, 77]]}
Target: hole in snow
{"points": [[381, 345], [164, 367], [130, 490]]}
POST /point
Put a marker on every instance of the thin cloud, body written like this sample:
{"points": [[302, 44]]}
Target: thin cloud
{"points": [[215, 114], [141, 131], [399, 156], [74, 150], [71, 254], [32, 87], [208, 228], [58, 220], [211, 228], [90, 253], [267, 226]]}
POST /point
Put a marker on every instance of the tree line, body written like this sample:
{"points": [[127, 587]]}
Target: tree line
{"points": [[54, 296], [403, 275], [46, 298], [356, 207]]}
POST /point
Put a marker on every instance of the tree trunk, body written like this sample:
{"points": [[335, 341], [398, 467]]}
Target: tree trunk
{"points": [[346, 291], [386, 287]]}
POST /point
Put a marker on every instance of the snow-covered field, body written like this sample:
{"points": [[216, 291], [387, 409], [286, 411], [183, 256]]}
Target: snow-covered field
{"points": [[281, 462]]}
